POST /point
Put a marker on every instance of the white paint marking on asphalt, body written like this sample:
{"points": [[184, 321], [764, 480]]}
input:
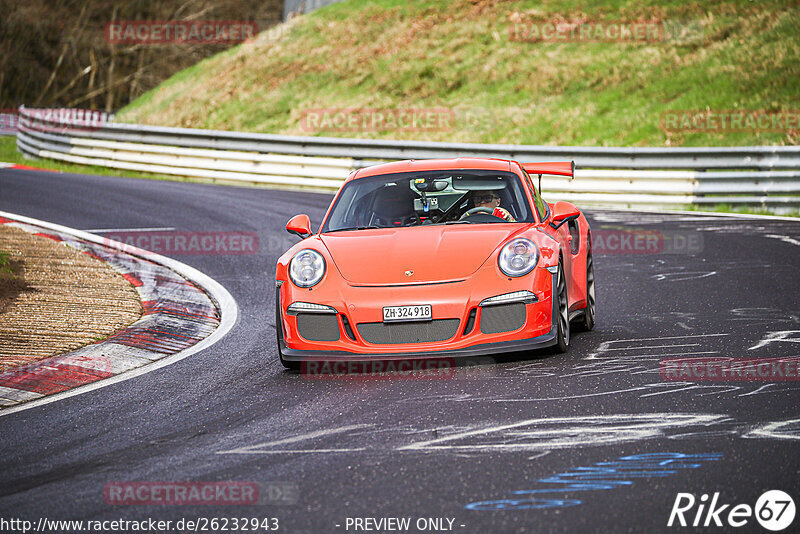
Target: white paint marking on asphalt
{"points": [[723, 389], [781, 335], [605, 346], [688, 388], [294, 451], [704, 435], [229, 311], [258, 449], [764, 315], [687, 353], [699, 214], [583, 395], [663, 337], [777, 430], [535, 456], [567, 432], [657, 346], [784, 238], [770, 388], [757, 391], [106, 230], [681, 276]]}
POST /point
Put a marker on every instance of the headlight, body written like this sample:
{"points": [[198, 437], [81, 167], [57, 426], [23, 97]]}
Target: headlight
{"points": [[307, 268], [518, 257]]}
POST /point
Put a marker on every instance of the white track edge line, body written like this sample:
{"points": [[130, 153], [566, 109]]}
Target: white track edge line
{"points": [[229, 312], [698, 213]]}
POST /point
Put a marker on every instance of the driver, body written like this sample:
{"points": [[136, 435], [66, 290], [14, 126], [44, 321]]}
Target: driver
{"points": [[491, 200]]}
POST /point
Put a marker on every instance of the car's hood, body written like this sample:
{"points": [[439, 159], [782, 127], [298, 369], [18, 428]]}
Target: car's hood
{"points": [[432, 253]]}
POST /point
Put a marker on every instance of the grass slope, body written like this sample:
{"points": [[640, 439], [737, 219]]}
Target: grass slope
{"points": [[459, 55]]}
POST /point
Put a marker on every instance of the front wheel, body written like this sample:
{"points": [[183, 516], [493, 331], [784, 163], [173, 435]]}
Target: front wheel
{"points": [[294, 366], [562, 330]]}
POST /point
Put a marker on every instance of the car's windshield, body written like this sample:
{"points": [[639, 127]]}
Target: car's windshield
{"points": [[430, 197]]}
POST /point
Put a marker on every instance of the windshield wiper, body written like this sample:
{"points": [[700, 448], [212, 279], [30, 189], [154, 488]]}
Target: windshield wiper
{"points": [[353, 228]]}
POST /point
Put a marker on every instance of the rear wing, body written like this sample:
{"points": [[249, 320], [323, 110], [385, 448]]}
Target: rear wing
{"points": [[561, 168]]}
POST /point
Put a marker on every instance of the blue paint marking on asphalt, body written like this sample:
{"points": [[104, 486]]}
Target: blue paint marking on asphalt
{"points": [[600, 476]]}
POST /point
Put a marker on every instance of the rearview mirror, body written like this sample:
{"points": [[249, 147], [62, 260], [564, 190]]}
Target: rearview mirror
{"points": [[563, 212], [299, 225], [426, 186]]}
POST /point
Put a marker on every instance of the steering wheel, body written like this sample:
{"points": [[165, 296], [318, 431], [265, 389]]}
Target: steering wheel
{"points": [[473, 211]]}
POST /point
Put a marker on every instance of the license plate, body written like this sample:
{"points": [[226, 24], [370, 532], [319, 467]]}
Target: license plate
{"points": [[419, 312]]}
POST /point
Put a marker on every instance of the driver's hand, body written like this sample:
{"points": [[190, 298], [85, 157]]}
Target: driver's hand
{"points": [[503, 214]]}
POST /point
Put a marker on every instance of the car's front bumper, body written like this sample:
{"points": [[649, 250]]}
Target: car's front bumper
{"points": [[538, 330], [539, 342]]}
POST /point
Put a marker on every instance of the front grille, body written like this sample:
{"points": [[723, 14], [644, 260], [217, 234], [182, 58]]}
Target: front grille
{"points": [[318, 326], [415, 332], [502, 318]]}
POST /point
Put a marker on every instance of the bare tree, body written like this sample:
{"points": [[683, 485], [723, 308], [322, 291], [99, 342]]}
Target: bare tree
{"points": [[54, 52]]}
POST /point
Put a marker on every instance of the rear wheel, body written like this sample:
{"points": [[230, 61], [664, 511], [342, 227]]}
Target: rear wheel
{"points": [[587, 322], [562, 330]]}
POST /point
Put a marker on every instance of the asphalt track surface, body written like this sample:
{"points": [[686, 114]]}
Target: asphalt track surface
{"points": [[453, 448]]}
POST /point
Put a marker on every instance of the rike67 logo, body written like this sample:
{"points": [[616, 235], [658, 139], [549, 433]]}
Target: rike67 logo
{"points": [[774, 511]]}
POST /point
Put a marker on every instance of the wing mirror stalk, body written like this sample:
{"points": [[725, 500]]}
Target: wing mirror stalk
{"points": [[563, 212]]}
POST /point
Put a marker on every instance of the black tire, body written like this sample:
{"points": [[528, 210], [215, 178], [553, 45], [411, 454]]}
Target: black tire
{"points": [[562, 329], [587, 321], [294, 366]]}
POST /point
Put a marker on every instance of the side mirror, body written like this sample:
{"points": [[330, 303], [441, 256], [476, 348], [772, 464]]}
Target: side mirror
{"points": [[563, 212], [299, 225]]}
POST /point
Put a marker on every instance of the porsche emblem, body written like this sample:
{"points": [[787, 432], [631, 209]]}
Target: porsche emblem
{"points": [[409, 273]]}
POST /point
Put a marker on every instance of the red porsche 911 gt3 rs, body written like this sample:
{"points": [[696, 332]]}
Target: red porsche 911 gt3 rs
{"points": [[436, 258]]}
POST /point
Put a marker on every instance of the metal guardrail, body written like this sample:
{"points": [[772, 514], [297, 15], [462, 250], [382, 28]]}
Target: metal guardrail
{"points": [[8, 123], [767, 176]]}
